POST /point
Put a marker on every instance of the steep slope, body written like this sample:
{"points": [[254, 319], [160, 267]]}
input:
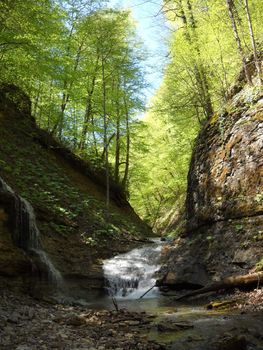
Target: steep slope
{"points": [[68, 196], [224, 204]]}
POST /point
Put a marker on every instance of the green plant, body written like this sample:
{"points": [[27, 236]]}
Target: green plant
{"points": [[239, 227], [259, 265], [259, 197]]}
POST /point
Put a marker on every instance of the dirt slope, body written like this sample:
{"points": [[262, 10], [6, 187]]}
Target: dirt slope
{"points": [[68, 196]]}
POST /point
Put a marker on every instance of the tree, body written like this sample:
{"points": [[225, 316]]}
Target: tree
{"points": [[253, 42], [230, 6]]}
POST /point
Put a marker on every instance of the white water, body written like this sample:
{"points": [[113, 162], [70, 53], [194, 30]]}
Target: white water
{"points": [[54, 276], [131, 274], [27, 235]]}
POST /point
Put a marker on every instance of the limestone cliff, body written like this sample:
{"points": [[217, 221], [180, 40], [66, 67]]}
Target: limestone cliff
{"points": [[224, 204]]}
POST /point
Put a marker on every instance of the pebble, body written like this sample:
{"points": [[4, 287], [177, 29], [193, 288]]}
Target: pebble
{"points": [[27, 325]]}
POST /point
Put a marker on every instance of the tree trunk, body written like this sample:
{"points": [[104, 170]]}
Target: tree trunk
{"points": [[105, 138], [199, 71], [94, 136], [230, 6], [117, 145], [58, 127], [128, 141], [227, 283], [88, 111], [253, 42], [117, 150]]}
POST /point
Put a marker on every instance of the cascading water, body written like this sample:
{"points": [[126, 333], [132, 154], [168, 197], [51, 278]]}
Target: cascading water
{"points": [[25, 231], [130, 275]]}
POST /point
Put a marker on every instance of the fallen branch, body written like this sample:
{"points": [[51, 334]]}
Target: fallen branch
{"points": [[114, 301], [227, 283], [147, 292]]}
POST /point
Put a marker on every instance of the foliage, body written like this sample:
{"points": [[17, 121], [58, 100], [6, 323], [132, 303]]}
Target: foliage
{"points": [[81, 64], [203, 63], [70, 56]]}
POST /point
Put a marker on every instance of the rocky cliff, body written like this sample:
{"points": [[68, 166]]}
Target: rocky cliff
{"points": [[68, 196], [224, 206]]}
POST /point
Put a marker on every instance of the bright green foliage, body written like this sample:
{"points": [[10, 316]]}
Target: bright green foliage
{"points": [[203, 63], [70, 56], [160, 165], [81, 64], [28, 32]]}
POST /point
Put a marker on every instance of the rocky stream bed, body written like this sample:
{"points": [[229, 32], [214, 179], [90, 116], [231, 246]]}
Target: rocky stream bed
{"points": [[29, 324]]}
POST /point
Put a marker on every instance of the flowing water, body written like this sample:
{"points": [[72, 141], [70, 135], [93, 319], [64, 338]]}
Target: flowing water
{"points": [[26, 234], [132, 274], [128, 276]]}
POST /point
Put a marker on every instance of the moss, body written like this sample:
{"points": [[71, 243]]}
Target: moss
{"points": [[214, 119], [258, 117], [259, 265]]}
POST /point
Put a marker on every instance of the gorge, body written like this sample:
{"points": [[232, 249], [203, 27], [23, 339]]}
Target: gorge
{"points": [[127, 224]]}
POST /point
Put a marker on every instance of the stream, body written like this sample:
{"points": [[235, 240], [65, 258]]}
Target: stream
{"points": [[128, 276], [177, 325]]}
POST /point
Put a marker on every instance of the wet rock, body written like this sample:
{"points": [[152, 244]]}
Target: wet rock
{"points": [[168, 326], [234, 343], [76, 320]]}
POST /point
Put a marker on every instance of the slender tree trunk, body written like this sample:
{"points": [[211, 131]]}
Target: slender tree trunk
{"points": [[88, 111], [117, 149], [105, 138], [128, 141], [36, 101], [58, 127], [230, 6], [87, 118], [253, 42], [117, 144], [94, 136], [199, 71]]}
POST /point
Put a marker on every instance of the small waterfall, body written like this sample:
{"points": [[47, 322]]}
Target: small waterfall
{"points": [[130, 275], [25, 232]]}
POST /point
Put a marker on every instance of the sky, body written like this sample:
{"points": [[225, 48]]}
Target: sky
{"points": [[153, 33]]}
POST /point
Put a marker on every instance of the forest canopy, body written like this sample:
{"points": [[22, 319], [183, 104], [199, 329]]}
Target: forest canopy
{"points": [[206, 54], [82, 64]]}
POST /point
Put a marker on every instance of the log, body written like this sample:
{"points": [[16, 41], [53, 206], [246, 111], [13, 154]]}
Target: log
{"points": [[227, 283]]}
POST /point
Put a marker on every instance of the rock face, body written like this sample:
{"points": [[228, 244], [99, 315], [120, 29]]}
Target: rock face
{"points": [[226, 173], [225, 197]]}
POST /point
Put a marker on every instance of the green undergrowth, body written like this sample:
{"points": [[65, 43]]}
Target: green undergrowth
{"points": [[66, 203]]}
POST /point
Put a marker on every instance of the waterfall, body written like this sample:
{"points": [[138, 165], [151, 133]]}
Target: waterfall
{"points": [[130, 275], [25, 232]]}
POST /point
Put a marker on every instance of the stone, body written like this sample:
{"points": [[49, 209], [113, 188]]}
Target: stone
{"points": [[133, 323], [76, 320], [224, 205], [14, 317], [234, 343]]}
